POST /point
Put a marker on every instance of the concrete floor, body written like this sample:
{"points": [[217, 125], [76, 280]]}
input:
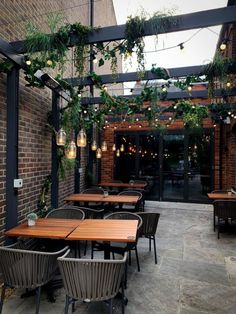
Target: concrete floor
{"points": [[196, 273]]}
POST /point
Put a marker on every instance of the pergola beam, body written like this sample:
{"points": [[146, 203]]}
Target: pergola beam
{"points": [[184, 22], [9, 52], [201, 94], [133, 76]]}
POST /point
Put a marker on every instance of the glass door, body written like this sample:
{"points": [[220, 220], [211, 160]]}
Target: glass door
{"points": [[173, 165]]}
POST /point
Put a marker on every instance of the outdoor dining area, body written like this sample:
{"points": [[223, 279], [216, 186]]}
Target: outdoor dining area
{"points": [[117, 157]]}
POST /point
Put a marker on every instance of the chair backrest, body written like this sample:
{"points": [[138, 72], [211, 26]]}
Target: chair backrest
{"points": [[26, 268], [89, 213], [67, 212], [225, 208], [131, 192], [95, 280], [125, 215], [150, 222], [138, 181], [95, 190]]}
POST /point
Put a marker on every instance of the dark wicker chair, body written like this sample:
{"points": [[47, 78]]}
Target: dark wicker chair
{"points": [[67, 212], [92, 280], [23, 267], [129, 207], [148, 228], [225, 211], [93, 190], [120, 248]]}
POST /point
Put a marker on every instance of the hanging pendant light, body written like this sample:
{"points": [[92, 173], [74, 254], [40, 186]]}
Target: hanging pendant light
{"points": [[99, 153], [114, 147], [118, 153], [104, 146], [94, 145], [122, 148], [71, 151], [81, 138], [61, 137]]}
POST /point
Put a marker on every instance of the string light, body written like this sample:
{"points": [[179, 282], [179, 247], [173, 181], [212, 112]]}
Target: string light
{"points": [[118, 153]]}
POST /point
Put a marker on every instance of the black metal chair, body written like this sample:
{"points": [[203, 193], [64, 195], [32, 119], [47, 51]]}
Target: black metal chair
{"points": [[92, 280], [120, 248], [93, 190], [22, 266], [225, 212], [148, 228], [129, 207]]}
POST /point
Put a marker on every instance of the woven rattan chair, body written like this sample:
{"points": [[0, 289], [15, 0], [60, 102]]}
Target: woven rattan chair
{"points": [[225, 212], [22, 267], [148, 228], [91, 280], [130, 207], [93, 190], [67, 212], [120, 248]]}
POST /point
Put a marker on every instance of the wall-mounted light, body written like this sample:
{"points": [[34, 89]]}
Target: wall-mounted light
{"points": [[99, 153], [71, 151], [94, 145], [61, 137], [81, 138], [104, 146]]}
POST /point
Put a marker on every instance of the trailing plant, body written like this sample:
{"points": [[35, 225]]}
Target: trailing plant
{"points": [[42, 202], [6, 65]]}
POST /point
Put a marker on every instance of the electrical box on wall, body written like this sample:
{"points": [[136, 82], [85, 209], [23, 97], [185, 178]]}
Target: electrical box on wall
{"points": [[18, 183]]}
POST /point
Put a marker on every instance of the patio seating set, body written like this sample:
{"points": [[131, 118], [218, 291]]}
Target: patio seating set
{"points": [[52, 246]]}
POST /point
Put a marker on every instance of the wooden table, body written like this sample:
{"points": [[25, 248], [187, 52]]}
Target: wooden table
{"points": [[123, 185], [221, 196], [121, 199], [53, 228], [107, 230], [115, 230]]}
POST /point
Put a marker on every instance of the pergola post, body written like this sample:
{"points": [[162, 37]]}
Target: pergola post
{"points": [[54, 165], [12, 146]]}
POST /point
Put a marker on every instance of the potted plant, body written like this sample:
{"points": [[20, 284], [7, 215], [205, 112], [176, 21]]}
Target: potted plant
{"points": [[32, 217]]}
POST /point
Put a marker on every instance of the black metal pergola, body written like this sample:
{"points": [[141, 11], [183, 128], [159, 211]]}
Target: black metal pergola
{"points": [[14, 51]]}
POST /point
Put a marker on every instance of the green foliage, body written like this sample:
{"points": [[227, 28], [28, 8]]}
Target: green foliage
{"points": [[6, 65], [42, 202]]}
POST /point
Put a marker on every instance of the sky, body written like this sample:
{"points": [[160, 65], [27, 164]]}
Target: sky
{"points": [[198, 50]]}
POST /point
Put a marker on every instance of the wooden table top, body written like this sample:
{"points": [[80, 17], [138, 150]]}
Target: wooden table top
{"points": [[54, 228], [115, 230], [220, 196], [123, 185], [123, 199]]}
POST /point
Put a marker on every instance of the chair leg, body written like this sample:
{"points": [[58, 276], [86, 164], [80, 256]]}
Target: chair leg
{"points": [[67, 304], [214, 223], [92, 248], [129, 257], [155, 249], [110, 306], [150, 244], [137, 259], [123, 297], [38, 295], [2, 297]]}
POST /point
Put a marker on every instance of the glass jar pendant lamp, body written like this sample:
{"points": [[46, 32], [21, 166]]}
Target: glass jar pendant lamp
{"points": [[99, 153], [118, 153], [122, 148], [71, 151], [94, 145], [81, 138], [61, 137], [104, 146], [114, 147]]}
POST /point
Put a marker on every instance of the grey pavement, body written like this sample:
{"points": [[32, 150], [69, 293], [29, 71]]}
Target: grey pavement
{"points": [[195, 274]]}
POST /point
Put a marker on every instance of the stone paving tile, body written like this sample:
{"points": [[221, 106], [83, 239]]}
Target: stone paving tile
{"points": [[192, 275]]}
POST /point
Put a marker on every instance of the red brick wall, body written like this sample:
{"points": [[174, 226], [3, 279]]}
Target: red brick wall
{"points": [[34, 136]]}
